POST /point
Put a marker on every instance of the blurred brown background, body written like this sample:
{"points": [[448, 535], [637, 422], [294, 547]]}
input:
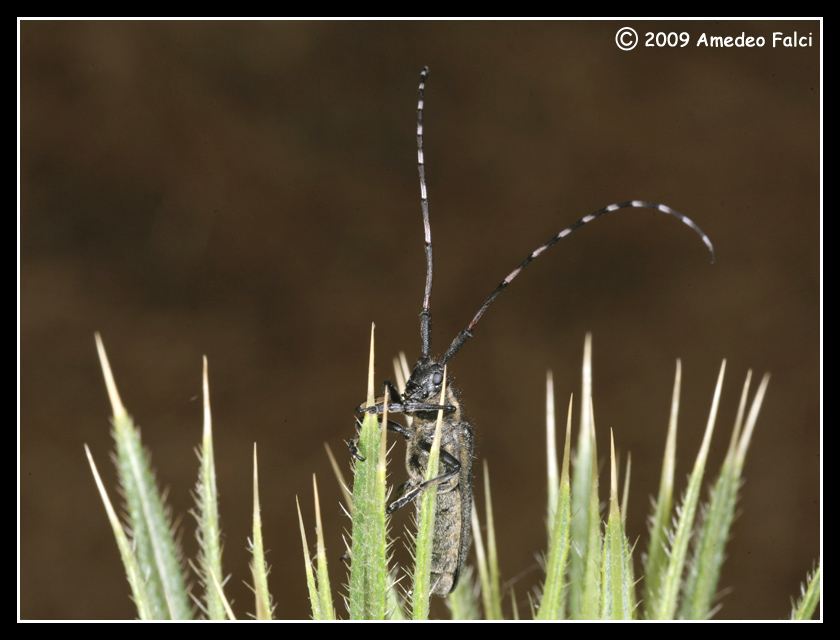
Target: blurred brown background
{"points": [[249, 191]]}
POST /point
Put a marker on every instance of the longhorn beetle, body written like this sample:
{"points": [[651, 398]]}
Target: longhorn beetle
{"points": [[420, 401]]}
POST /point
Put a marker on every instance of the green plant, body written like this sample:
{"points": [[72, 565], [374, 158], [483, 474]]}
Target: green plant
{"points": [[151, 556], [589, 570]]}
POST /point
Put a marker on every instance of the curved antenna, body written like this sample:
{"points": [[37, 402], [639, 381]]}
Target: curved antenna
{"points": [[425, 314], [466, 334]]}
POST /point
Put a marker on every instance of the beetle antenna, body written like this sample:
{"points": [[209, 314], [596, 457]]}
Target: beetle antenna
{"points": [[466, 334], [426, 313]]}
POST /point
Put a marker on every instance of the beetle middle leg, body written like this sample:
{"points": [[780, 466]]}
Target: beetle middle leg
{"points": [[411, 490], [396, 427]]}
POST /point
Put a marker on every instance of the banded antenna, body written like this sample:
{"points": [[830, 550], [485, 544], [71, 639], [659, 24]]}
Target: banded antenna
{"points": [[466, 334]]}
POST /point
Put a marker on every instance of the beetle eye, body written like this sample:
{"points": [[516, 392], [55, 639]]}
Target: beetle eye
{"points": [[437, 378]]}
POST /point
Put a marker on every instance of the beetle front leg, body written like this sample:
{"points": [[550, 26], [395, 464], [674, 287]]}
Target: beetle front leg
{"points": [[388, 391]]}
